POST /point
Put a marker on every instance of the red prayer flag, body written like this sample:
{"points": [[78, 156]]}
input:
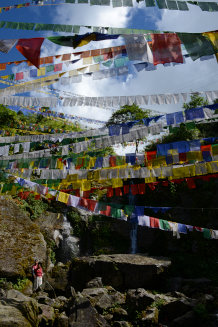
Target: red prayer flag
{"points": [[19, 76], [206, 148], [141, 188], [91, 204], [154, 222], [166, 48], [118, 191], [30, 49], [58, 67], [151, 155], [107, 211], [134, 189], [126, 189], [110, 192], [190, 182], [112, 161]]}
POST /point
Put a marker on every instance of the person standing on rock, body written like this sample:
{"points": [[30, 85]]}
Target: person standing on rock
{"points": [[34, 267], [39, 274]]}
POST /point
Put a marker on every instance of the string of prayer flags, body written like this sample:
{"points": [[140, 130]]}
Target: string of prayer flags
{"points": [[117, 211], [169, 4]]}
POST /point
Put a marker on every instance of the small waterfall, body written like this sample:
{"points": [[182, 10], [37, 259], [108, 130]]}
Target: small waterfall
{"points": [[133, 237], [69, 245], [134, 224]]}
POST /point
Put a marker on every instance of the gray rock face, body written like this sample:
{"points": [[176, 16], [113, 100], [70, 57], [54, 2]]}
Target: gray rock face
{"points": [[83, 315], [122, 271], [103, 298], [20, 239]]}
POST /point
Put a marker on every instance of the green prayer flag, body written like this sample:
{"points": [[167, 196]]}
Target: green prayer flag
{"points": [[161, 4], [66, 41], [26, 26], [62, 28], [98, 59], [2, 24], [107, 63], [76, 29], [182, 5], [12, 25], [127, 3], [117, 3], [49, 68], [115, 212], [150, 3], [196, 45], [164, 224], [44, 27], [11, 77], [83, 1], [120, 62], [95, 2], [128, 209], [208, 6], [70, 1], [105, 2], [206, 233], [172, 5]]}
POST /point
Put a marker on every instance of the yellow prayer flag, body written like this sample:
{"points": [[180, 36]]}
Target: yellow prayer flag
{"points": [[73, 72], [86, 186], [213, 37], [87, 61], [63, 197], [117, 182], [41, 71], [94, 68]]}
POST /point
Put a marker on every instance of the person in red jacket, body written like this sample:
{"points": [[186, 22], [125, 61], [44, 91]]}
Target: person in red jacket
{"points": [[34, 267], [39, 274]]}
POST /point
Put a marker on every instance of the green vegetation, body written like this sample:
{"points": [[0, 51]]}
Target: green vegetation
{"points": [[8, 117], [21, 284], [196, 101], [128, 113], [31, 205]]}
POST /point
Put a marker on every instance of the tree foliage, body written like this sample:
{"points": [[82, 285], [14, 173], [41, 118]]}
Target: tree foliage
{"points": [[126, 114], [7, 116], [180, 134], [196, 101]]}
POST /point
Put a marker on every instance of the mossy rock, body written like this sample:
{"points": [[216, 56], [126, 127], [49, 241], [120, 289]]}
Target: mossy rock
{"points": [[20, 241]]}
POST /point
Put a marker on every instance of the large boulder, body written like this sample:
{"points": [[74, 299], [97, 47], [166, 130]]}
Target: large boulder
{"points": [[83, 315], [122, 271], [20, 241], [139, 299], [18, 310]]}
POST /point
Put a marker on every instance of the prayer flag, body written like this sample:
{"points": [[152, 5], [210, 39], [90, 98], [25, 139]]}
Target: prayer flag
{"points": [[196, 44], [30, 49], [166, 48]]}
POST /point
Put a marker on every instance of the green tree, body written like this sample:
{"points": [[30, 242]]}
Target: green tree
{"points": [[7, 116], [215, 101], [126, 114], [196, 101]]}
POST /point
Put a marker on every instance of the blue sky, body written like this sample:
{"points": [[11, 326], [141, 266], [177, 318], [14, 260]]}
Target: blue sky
{"points": [[192, 76]]}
